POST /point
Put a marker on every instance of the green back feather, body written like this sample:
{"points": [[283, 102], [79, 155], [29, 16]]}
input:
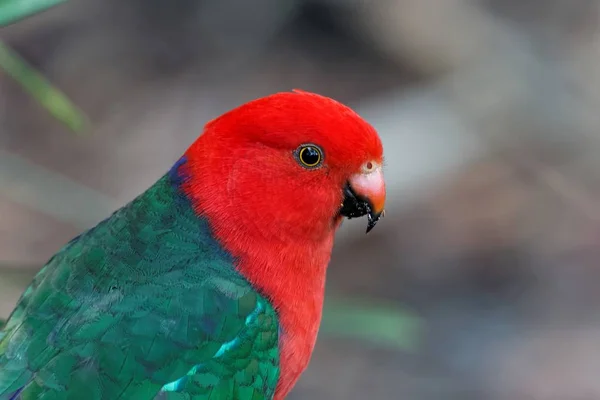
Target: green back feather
{"points": [[146, 305]]}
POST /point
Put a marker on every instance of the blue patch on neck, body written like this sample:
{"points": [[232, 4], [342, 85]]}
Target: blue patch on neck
{"points": [[176, 174]]}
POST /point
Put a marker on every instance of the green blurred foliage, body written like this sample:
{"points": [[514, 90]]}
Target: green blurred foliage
{"points": [[375, 322], [51, 98], [12, 11]]}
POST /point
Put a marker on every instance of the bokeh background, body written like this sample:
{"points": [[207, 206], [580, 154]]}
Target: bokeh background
{"points": [[483, 280]]}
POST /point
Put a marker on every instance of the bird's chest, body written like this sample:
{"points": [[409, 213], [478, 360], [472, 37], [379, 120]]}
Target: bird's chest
{"points": [[296, 343]]}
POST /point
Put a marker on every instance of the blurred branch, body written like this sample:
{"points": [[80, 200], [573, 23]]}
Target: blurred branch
{"points": [[47, 95], [51, 193], [12, 11]]}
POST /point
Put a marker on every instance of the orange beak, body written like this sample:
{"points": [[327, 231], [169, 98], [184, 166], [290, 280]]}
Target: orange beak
{"points": [[365, 195]]}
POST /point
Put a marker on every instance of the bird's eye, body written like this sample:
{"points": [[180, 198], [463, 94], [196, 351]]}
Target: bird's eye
{"points": [[309, 155]]}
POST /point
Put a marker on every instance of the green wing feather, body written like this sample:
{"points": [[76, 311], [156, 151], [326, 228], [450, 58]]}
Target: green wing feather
{"points": [[146, 305]]}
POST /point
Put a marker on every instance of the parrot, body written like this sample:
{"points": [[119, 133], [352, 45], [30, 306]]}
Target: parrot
{"points": [[210, 284]]}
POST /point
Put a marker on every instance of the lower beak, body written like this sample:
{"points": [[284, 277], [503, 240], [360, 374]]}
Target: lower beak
{"points": [[364, 194]]}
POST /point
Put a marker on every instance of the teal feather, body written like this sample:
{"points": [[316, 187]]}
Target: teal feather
{"points": [[146, 305]]}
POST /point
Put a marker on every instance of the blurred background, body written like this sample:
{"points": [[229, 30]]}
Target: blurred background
{"points": [[481, 282]]}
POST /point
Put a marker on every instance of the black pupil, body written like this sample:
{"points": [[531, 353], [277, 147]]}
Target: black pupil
{"points": [[310, 156]]}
